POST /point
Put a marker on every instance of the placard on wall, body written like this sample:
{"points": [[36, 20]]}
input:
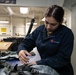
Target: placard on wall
{"points": [[3, 29]]}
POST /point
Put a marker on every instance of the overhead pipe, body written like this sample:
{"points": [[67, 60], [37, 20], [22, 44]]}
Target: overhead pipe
{"points": [[31, 25]]}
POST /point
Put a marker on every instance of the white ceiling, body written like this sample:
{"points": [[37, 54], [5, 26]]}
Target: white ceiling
{"points": [[15, 11], [36, 8]]}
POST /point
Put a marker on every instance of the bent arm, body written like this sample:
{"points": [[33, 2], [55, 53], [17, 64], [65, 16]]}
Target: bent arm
{"points": [[29, 42]]}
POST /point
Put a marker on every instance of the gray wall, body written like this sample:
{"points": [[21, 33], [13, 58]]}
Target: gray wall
{"points": [[39, 2], [73, 26], [71, 4]]}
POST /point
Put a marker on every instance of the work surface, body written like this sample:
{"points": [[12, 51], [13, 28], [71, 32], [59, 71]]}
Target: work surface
{"points": [[29, 70], [5, 45], [14, 62], [15, 67]]}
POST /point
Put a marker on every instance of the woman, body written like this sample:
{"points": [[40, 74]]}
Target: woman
{"points": [[53, 40]]}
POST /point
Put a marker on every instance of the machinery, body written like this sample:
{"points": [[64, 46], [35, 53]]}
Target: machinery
{"points": [[29, 70]]}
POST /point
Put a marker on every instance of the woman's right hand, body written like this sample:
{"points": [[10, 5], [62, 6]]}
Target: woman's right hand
{"points": [[23, 56]]}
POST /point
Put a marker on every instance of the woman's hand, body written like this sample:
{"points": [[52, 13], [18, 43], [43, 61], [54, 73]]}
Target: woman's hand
{"points": [[23, 56]]}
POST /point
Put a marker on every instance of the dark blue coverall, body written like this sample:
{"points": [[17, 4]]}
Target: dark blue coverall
{"points": [[55, 50]]}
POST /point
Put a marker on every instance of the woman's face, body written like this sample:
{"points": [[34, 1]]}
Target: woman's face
{"points": [[51, 24]]}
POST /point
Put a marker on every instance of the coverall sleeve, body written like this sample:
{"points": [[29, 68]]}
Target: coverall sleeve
{"points": [[63, 56], [29, 42]]}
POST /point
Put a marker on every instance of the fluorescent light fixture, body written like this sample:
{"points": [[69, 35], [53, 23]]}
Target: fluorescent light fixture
{"points": [[29, 23], [10, 10], [43, 19], [4, 21], [23, 10]]}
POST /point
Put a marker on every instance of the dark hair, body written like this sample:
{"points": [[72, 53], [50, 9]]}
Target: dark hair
{"points": [[56, 12]]}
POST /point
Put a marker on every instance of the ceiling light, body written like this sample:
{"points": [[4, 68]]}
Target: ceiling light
{"points": [[4, 21], [10, 10], [23, 10], [30, 23]]}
